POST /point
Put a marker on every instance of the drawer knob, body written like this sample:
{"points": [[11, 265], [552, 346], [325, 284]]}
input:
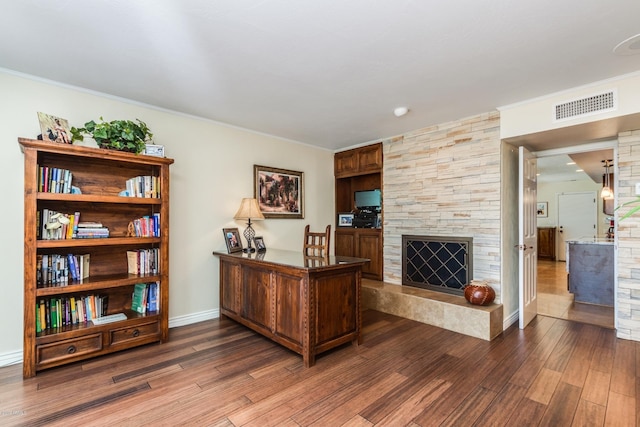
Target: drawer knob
{"points": [[71, 349], [136, 332]]}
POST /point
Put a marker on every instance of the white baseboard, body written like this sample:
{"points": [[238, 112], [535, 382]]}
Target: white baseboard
{"points": [[15, 357], [510, 320]]}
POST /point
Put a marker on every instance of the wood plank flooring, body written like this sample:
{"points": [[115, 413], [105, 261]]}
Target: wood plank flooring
{"points": [[218, 373], [554, 299]]}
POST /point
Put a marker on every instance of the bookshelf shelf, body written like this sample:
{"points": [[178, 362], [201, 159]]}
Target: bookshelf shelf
{"points": [[52, 286], [108, 241], [85, 198]]}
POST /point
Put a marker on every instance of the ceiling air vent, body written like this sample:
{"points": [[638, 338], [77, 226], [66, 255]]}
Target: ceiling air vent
{"points": [[595, 104]]}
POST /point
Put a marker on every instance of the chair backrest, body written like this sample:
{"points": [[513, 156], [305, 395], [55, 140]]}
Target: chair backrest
{"points": [[316, 243]]}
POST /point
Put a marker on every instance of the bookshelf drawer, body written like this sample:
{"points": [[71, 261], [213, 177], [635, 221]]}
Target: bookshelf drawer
{"points": [[67, 349], [135, 332]]}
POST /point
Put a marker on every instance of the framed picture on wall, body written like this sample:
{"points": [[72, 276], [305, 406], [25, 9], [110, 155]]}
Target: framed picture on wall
{"points": [[280, 192], [543, 208]]}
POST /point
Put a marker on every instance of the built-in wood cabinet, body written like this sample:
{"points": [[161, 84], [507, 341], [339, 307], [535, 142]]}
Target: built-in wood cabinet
{"points": [[362, 243], [358, 161], [547, 243], [358, 170], [98, 177]]}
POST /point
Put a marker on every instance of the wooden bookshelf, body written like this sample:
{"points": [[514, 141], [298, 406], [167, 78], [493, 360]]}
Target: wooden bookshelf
{"points": [[101, 176]]}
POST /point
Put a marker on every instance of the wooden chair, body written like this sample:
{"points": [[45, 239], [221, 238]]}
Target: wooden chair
{"points": [[316, 244]]}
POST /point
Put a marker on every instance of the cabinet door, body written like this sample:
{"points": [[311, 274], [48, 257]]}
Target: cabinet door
{"points": [[230, 287], [346, 163], [370, 158], [369, 247], [345, 243]]}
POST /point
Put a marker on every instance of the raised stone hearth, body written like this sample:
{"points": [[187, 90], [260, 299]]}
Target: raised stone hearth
{"points": [[446, 311]]}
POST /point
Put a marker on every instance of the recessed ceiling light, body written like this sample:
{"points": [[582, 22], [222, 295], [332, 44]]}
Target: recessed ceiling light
{"points": [[400, 111], [579, 170], [571, 163], [630, 46]]}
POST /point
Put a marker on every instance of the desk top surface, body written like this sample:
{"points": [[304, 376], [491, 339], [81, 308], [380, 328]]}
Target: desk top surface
{"points": [[294, 258]]}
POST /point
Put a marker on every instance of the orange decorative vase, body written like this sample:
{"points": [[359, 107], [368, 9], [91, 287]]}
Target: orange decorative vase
{"points": [[478, 292]]}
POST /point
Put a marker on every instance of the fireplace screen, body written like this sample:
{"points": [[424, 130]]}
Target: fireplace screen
{"points": [[437, 263]]}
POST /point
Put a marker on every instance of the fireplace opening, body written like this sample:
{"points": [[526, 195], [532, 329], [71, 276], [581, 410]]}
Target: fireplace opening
{"points": [[437, 263]]}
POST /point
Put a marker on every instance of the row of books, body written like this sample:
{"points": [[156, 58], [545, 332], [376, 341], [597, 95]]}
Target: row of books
{"points": [[91, 230], [147, 226], [66, 311], [54, 180], [60, 270], [145, 297], [143, 186], [143, 261]]}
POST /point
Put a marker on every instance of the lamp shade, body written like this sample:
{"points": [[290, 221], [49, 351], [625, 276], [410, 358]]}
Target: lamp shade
{"points": [[249, 209]]}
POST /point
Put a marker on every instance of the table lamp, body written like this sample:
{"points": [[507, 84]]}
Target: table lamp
{"points": [[249, 210]]}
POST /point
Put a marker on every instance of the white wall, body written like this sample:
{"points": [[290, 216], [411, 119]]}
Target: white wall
{"points": [[213, 170]]}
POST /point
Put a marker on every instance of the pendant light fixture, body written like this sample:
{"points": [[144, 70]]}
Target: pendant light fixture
{"points": [[607, 192]]}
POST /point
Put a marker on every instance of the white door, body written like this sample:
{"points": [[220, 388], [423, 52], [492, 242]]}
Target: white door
{"points": [[577, 218], [527, 237]]}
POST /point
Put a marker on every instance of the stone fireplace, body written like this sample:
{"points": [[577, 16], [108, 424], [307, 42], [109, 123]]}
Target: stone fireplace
{"points": [[437, 263]]}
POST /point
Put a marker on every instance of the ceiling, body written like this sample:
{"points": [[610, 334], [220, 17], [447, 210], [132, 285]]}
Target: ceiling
{"points": [[574, 167], [326, 72]]}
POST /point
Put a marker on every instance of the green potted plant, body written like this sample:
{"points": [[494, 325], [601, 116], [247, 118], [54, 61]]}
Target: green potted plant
{"points": [[122, 135]]}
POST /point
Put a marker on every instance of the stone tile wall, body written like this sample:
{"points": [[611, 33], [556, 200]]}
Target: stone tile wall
{"points": [[628, 234], [444, 180]]}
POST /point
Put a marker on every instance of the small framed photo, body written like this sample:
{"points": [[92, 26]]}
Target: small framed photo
{"points": [[54, 128], [345, 220], [260, 246], [543, 209], [232, 239], [154, 150]]}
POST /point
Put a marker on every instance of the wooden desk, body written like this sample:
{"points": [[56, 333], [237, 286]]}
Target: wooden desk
{"points": [[307, 305]]}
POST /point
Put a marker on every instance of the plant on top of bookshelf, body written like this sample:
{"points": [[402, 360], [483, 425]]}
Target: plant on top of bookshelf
{"points": [[122, 135]]}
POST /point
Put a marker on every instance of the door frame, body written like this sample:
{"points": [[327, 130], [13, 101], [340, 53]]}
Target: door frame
{"points": [[583, 148]]}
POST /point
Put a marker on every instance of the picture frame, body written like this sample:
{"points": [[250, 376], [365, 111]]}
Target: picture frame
{"points": [[543, 209], [280, 192], [345, 219], [259, 243], [55, 129], [232, 240], [154, 150]]}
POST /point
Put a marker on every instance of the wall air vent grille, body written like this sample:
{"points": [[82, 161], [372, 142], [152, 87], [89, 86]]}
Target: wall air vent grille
{"points": [[595, 104]]}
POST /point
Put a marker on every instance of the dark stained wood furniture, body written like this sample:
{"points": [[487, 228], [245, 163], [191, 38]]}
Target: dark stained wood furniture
{"points": [[356, 170], [547, 243], [100, 175], [308, 305]]}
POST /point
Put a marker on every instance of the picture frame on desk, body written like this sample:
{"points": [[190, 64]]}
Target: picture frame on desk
{"points": [[259, 242], [232, 240], [280, 192], [345, 219]]}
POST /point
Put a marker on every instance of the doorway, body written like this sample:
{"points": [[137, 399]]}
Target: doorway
{"points": [[575, 212]]}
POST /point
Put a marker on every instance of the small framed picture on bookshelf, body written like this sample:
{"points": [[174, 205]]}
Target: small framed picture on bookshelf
{"points": [[260, 246], [54, 128], [232, 239], [345, 220]]}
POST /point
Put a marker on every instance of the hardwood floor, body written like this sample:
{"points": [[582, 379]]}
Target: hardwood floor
{"points": [[218, 373], [555, 300]]}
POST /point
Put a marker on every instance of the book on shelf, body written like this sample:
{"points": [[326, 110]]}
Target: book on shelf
{"points": [[139, 298], [54, 180]]}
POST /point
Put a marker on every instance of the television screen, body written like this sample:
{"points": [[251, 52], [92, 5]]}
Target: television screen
{"points": [[368, 199]]}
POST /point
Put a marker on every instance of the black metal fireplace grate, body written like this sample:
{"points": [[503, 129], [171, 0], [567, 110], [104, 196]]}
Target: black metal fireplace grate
{"points": [[437, 263]]}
